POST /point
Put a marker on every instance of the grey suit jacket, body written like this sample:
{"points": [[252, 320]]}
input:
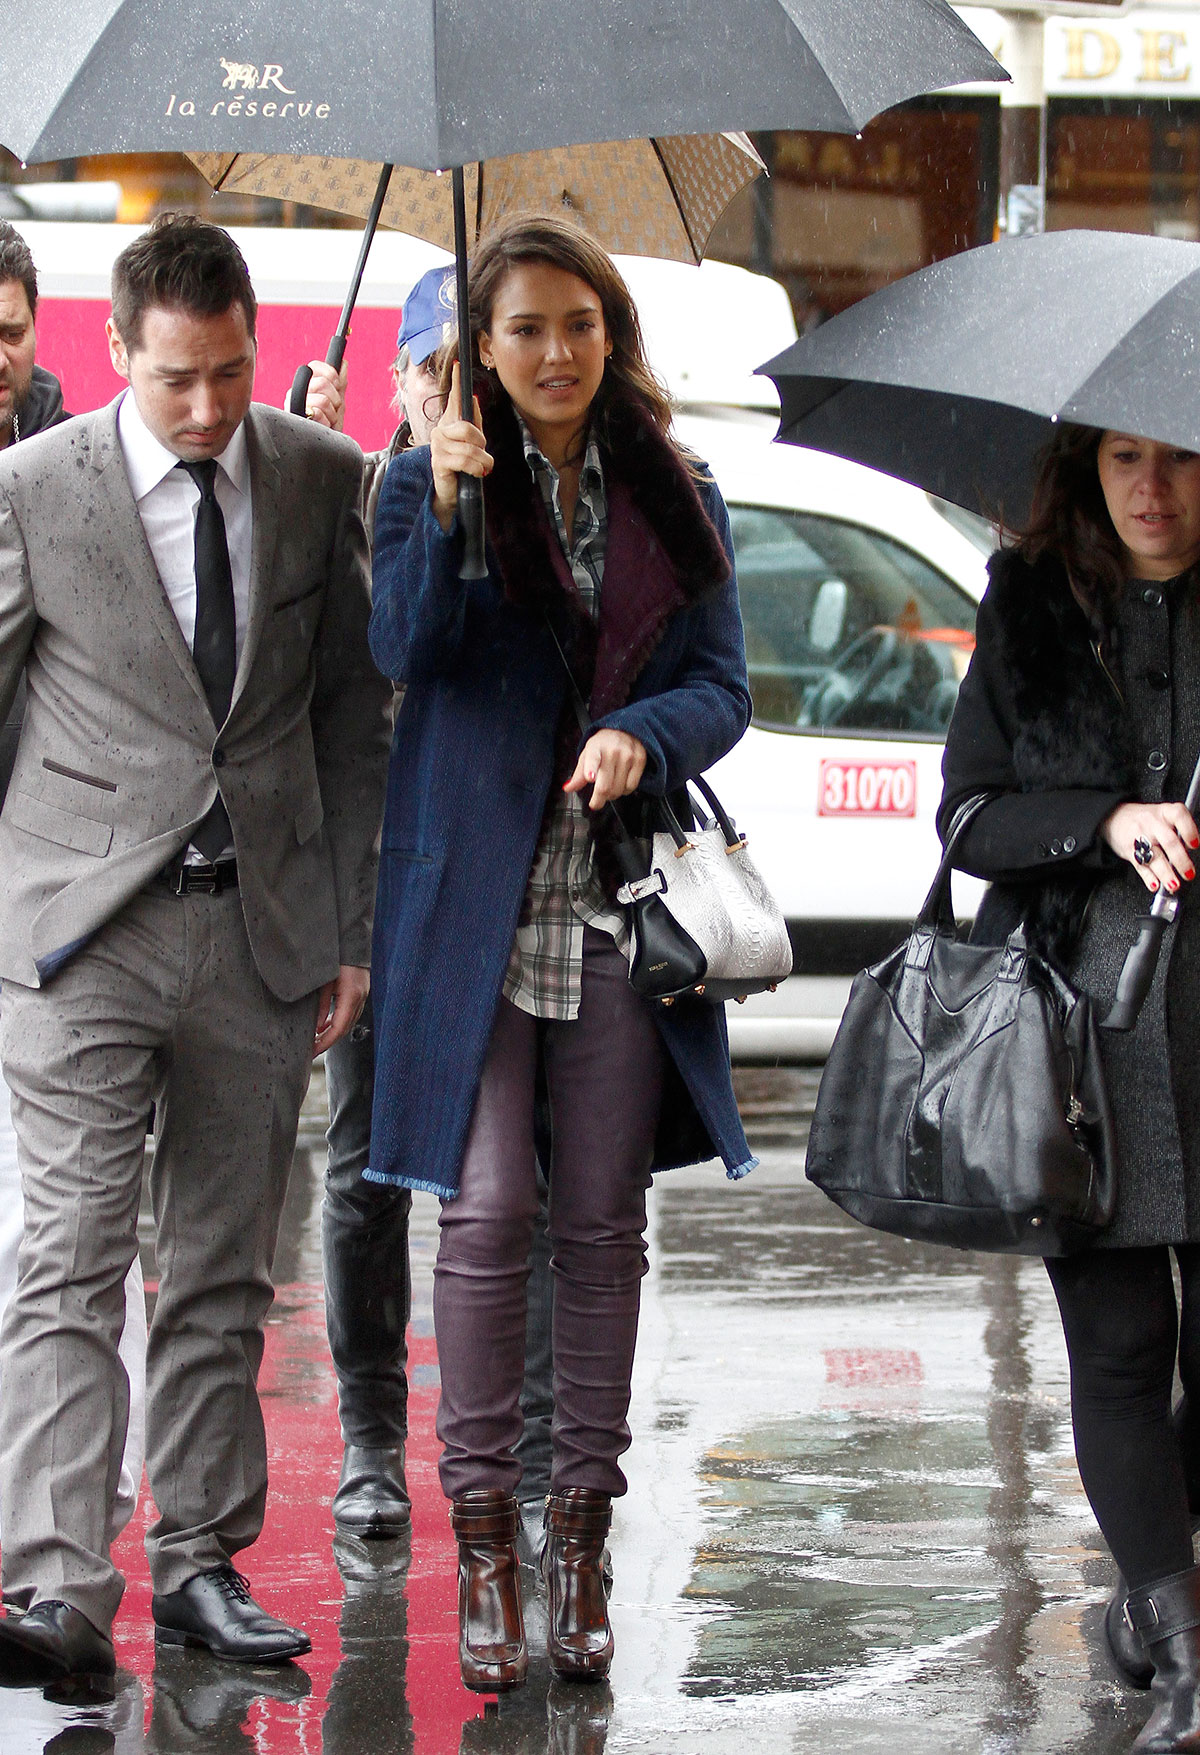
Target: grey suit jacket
{"points": [[119, 758]]}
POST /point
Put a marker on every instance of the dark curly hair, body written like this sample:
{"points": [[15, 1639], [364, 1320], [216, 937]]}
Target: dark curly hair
{"points": [[16, 263], [1069, 520]]}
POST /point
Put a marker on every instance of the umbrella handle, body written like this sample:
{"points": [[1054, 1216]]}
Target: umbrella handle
{"points": [[470, 516], [1137, 972], [298, 394]]}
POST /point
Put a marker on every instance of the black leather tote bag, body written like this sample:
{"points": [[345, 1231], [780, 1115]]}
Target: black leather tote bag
{"points": [[963, 1101]]}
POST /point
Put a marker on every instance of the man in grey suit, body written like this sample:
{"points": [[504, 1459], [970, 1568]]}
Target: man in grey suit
{"points": [[187, 860]]}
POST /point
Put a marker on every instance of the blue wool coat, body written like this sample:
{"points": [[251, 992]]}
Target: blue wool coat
{"points": [[472, 764]]}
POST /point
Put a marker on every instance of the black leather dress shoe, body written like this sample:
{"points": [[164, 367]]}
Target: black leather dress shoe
{"points": [[51, 1643], [372, 1500], [215, 1610]]}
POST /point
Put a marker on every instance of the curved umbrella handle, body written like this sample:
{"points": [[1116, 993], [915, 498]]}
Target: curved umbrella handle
{"points": [[1137, 972], [298, 394], [1141, 959]]}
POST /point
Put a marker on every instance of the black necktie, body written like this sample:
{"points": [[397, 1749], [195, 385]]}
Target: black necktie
{"points": [[214, 646]]}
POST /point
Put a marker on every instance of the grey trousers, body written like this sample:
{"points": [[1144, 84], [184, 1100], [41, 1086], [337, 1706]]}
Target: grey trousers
{"points": [[604, 1074], [164, 1006]]}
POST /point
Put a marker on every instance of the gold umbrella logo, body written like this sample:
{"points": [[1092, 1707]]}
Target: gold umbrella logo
{"points": [[243, 78]]}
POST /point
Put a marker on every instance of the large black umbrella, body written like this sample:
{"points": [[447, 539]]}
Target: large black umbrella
{"points": [[954, 377], [443, 83], [437, 83]]}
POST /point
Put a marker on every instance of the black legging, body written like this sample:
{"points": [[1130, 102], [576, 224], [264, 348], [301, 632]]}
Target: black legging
{"points": [[1123, 1333]]}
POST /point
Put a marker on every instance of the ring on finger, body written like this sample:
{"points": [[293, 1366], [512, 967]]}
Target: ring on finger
{"points": [[1143, 851]]}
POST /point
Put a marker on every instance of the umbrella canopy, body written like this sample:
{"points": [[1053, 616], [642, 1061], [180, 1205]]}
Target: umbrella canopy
{"points": [[644, 197], [955, 377], [433, 85]]}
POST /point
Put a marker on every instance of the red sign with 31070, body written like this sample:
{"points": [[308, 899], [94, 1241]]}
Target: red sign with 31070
{"points": [[867, 789]]}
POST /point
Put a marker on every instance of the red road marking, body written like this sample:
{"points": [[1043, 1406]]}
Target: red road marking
{"points": [[291, 1568]]}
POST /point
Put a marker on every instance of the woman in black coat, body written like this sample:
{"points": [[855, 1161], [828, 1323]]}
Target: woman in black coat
{"points": [[1081, 712]]}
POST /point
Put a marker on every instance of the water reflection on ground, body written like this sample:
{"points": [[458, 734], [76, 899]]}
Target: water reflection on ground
{"points": [[854, 1522]]}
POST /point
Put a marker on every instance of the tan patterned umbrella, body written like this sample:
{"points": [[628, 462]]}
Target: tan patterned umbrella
{"points": [[643, 197], [657, 197]]}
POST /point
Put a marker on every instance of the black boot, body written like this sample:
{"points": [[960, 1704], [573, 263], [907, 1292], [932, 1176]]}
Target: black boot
{"points": [[1124, 1645], [1167, 1615]]}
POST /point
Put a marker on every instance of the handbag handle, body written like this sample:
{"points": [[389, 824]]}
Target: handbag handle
{"points": [[733, 841], [937, 908]]}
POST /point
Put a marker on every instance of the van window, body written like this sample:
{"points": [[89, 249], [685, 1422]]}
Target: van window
{"points": [[846, 629]]}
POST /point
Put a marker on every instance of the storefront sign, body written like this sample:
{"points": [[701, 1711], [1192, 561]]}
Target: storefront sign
{"points": [[1147, 54], [1144, 53]]}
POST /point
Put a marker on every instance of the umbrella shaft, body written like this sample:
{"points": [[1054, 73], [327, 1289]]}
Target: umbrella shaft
{"points": [[466, 374], [343, 328]]}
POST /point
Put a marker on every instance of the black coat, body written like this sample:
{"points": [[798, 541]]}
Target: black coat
{"points": [[1066, 721], [1040, 719]]}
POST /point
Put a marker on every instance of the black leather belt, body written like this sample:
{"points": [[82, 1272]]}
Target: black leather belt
{"points": [[201, 879]]}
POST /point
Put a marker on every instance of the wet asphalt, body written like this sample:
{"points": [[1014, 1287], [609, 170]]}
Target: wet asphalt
{"points": [[854, 1521]]}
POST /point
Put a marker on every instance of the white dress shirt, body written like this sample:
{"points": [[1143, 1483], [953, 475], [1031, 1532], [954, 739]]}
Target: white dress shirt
{"points": [[166, 501]]}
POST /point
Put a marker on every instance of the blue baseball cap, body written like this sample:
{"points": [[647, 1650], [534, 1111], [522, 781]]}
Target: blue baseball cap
{"points": [[429, 314]]}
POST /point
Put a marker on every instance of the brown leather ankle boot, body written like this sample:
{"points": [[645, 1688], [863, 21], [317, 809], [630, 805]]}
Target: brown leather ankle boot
{"points": [[491, 1631], [579, 1641]]}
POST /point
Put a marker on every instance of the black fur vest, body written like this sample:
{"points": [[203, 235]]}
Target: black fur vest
{"points": [[1060, 680]]}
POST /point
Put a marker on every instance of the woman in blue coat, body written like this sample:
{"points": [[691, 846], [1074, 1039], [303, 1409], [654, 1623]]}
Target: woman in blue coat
{"points": [[499, 968]]}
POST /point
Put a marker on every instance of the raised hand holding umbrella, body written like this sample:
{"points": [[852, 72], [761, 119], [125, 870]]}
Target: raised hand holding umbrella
{"points": [[1141, 960]]}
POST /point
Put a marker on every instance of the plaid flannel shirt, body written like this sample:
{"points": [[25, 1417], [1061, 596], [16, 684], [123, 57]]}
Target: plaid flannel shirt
{"points": [[564, 894]]}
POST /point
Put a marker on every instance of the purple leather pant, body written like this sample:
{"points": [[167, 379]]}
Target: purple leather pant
{"points": [[604, 1073]]}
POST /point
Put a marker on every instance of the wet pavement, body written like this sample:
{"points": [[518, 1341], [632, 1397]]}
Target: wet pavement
{"points": [[854, 1522]]}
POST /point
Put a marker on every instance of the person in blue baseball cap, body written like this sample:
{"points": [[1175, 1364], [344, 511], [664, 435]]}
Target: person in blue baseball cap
{"points": [[364, 1225], [427, 319]]}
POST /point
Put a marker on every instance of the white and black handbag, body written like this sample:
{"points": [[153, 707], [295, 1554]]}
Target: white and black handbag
{"points": [[702, 922]]}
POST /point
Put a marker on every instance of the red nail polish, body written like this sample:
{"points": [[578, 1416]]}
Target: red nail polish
{"points": [[1153, 883], [1190, 873]]}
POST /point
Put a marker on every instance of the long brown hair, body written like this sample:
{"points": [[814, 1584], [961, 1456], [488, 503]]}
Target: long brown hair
{"points": [[561, 243], [1070, 521]]}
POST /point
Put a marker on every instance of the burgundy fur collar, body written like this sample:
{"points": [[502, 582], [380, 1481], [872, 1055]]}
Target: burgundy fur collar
{"points": [[663, 552]]}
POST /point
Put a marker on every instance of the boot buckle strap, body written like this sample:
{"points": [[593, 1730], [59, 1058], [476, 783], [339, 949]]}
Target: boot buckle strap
{"points": [[577, 1527], [1145, 1619]]}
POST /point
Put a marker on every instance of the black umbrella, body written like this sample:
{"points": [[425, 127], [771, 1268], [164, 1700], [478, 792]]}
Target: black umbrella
{"points": [[954, 377], [442, 85]]}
